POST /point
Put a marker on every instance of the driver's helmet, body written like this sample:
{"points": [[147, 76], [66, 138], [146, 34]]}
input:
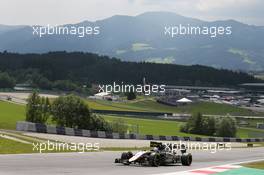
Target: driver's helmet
{"points": [[155, 149]]}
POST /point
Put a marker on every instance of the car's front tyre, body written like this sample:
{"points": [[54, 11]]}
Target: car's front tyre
{"points": [[125, 157]]}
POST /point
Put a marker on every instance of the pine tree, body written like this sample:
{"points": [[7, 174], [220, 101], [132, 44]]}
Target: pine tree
{"points": [[33, 108], [37, 109]]}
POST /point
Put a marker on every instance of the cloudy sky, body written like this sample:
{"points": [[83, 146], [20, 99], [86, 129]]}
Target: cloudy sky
{"points": [[54, 12]]}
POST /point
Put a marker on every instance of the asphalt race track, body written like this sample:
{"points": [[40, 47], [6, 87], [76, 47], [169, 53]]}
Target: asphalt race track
{"points": [[101, 163]]}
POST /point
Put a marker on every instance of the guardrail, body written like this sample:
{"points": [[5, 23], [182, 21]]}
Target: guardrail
{"points": [[156, 114], [134, 113], [41, 128]]}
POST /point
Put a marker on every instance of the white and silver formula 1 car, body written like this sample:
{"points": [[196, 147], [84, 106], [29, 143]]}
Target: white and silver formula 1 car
{"points": [[161, 154]]}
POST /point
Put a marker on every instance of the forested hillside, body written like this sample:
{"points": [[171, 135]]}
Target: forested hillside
{"points": [[70, 70]]}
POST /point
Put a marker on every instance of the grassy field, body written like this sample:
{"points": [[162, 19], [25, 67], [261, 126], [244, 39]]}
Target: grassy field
{"points": [[252, 123], [258, 165], [152, 106], [250, 133], [152, 127], [172, 128], [10, 114]]}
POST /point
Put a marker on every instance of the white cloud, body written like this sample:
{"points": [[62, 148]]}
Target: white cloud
{"points": [[209, 5]]}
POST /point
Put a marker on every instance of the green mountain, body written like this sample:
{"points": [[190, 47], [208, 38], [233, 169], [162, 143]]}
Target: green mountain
{"points": [[142, 38]]}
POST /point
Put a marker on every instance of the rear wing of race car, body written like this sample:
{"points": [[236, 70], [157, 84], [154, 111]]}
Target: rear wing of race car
{"points": [[155, 144], [161, 145]]}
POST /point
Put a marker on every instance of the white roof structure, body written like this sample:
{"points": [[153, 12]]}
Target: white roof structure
{"points": [[184, 100], [102, 94], [216, 96], [261, 100]]}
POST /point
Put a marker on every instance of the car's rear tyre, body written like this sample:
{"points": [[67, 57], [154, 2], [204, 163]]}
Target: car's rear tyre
{"points": [[154, 160], [186, 159]]}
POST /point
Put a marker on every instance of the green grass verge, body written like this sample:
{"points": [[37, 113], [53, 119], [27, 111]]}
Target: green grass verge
{"points": [[242, 171], [258, 165], [125, 149], [8, 146], [12, 147]]}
